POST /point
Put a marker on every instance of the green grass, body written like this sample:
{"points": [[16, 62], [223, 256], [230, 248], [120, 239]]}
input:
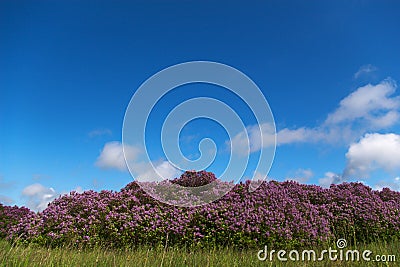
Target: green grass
{"points": [[32, 255]]}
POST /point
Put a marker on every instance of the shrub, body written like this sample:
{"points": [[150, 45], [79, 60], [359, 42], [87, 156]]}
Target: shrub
{"points": [[279, 214]]}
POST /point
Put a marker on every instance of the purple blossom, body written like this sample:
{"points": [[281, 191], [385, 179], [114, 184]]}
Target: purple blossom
{"points": [[277, 213]]}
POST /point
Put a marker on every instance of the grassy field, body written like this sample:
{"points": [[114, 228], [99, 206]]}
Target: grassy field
{"points": [[39, 256]]}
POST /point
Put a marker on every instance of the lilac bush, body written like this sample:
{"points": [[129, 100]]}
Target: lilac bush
{"points": [[195, 179], [280, 214], [10, 216]]}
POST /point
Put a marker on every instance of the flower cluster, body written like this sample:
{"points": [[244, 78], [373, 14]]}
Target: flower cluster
{"points": [[281, 214], [195, 179], [10, 216]]}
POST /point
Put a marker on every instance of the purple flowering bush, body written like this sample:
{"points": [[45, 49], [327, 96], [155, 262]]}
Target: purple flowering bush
{"points": [[10, 216], [195, 179], [279, 214]]}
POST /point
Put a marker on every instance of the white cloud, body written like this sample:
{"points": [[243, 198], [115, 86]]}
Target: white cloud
{"points": [[329, 178], [365, 69], [300, 135], [240, 143], [112, 156], [384, 121], [78, 189], [373, 151], [161, 171], [370, 107], [258, 176], [287, 136], [391, 184], [167, 171], [38, 196], [254, 138], [371, 103], [301, 175]]}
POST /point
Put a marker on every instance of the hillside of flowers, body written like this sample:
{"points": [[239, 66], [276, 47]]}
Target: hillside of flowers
{"points": [[277, 214]]}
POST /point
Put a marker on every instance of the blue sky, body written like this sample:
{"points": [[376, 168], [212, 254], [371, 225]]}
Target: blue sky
{"points": [[68, 69]]}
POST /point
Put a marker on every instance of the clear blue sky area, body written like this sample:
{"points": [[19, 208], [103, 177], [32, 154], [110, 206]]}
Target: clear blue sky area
{"points": [[68, 69]]}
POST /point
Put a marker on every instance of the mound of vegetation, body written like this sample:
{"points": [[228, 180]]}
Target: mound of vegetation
{"points": [[279, 214], [10, 216]]}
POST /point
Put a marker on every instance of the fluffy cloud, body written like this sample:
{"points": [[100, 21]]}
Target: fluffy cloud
{"points": [[373, 104], [329, 178], [300, 135], [373, 151], [160, 171], [392, 184], [258, 176], [365, 69], [112, 156], [370, 107], [78, 189], [38, 196], [254, 138], [301, 175]]}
